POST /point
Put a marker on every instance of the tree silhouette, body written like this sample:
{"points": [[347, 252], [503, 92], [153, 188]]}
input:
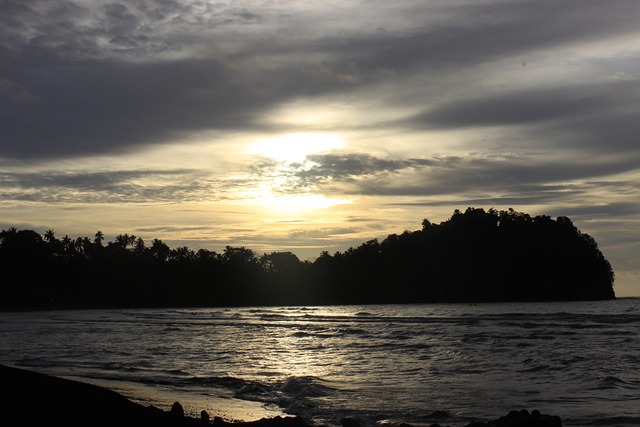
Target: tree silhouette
{"points": [[98, 238], [159, 250], [49, 236], [474, 256]]}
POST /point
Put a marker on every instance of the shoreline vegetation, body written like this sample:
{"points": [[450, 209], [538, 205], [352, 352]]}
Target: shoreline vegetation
{"points": [[474, 256], [33, 399]]}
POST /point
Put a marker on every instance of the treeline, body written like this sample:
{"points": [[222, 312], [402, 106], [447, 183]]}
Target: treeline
{"points": [[474, 256]]}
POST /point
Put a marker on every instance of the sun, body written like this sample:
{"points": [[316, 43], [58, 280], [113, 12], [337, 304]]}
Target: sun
{"points": [[295, 147], [277, 189]]}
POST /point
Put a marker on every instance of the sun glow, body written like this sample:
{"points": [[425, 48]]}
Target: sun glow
{"points": [[278, 189], [295, 147], [296, 203]]}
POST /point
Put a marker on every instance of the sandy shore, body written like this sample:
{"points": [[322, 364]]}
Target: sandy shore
{"points": [[34, 399], [228, 408]]}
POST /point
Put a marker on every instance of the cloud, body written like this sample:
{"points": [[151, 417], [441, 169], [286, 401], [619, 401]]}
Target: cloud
{"points": [[100, 107], [118, 186], [354, 173], [594, 117], [79, 82], [474, 180], [89, 78], [617, 210], [349, 165], [525, 107], [438, 40]]}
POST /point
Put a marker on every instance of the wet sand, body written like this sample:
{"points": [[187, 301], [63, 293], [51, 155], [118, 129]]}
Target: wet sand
{"points": [[31, 399], [228, 408], [34, 399]]}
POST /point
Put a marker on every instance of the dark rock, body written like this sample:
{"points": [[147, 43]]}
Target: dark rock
{"points": [[276, 421], [177, 410], [204, 416], [523, 418], [439, 414], [350, 422]]}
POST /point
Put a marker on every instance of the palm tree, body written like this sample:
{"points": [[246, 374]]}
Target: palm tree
{"points": [[83, 246], [68, 246], [139, 246], [99, 237], [50, 236], [67, 242], [7, 234], [122, 240], [160, 250], [182, 254]]}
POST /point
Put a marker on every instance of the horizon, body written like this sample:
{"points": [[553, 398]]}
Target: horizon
{"points": [[305, 128]]}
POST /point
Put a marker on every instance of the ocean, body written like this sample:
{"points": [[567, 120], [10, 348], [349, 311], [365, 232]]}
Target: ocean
{"points": [[384, 364]]}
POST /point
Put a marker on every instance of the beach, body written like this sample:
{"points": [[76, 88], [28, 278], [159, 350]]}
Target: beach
{"points": [[35, 399]]}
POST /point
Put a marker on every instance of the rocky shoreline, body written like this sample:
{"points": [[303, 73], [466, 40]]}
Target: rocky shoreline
{"points": [[33, 399]]}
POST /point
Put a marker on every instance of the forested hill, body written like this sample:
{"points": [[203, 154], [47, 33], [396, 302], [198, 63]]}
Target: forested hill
{"points": [[474, 256]]}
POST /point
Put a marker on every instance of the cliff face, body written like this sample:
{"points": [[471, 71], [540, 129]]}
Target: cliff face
{"points": [[474, 256]]}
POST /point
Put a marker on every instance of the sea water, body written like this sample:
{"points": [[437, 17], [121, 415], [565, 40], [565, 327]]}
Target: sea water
{"points": [[385, 364]]}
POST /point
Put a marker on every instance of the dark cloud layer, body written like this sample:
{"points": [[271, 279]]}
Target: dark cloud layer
{"points": [[533, 106], [79, 81], [63, 94], [366, 174], [598, 118], [97, 107]]}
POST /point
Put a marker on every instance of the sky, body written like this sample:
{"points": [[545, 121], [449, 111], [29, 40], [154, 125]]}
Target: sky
{"points": [[308, 126]]}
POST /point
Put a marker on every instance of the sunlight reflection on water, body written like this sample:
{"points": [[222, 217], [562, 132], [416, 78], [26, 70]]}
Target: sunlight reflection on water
{"points": [[577, 360]]}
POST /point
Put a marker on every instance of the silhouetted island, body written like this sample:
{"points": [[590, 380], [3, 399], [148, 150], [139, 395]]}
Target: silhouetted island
{"points": [[474, 256]]}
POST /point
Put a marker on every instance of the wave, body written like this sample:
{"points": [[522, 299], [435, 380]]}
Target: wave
{"points": [[305, 386], [611, 382], [437, 415], [537, 368], [295, 390], [612, 421]]}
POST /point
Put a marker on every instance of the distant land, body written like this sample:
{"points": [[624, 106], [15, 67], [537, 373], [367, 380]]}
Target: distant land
{"points": [[474, 256]]}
